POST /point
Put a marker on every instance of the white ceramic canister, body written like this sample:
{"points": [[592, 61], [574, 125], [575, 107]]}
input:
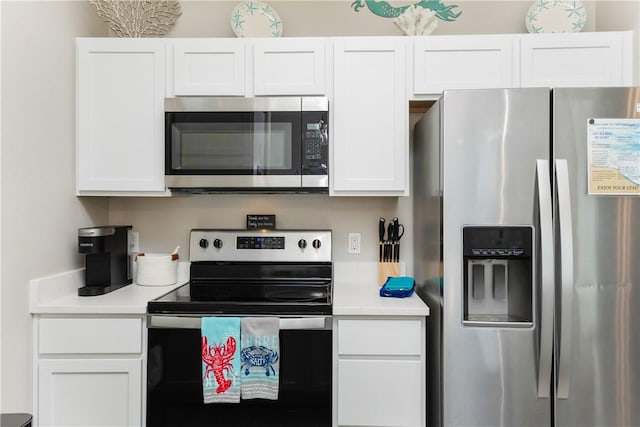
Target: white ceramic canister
{"points": [[157, 269]]}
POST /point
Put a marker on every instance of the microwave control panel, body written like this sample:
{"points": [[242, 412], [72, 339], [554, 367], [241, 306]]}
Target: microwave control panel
{"points": [[315, 143]]}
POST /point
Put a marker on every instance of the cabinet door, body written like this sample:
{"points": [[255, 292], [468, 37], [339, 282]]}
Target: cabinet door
{"points": [[380, 393], [462, 62], [90, 392], [576, 59], [289, 66], [209, 67], [120, 117], [370, 145]]}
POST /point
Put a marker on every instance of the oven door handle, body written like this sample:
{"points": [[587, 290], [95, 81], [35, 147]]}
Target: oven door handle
{"points": [[286, 323]]}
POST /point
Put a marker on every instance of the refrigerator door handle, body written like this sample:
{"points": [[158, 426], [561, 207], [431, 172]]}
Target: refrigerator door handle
{"points": [[543, 183], [565, 241]]}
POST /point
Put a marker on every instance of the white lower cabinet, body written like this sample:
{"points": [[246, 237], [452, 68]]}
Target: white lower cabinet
{"points": [[89, 371], [379, 372], [90, 392]]}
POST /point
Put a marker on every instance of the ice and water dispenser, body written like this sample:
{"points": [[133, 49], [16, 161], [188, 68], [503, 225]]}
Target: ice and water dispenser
{"points": [[498, 276]]}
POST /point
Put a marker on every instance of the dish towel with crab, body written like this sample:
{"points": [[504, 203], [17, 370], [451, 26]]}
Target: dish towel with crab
{"points": [[220, 359], [260, 357]]}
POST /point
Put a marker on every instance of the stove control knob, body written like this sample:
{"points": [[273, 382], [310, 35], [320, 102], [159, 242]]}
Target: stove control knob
{"points": [[204, 243], [317, 243], [302, 243], [217, 243]]}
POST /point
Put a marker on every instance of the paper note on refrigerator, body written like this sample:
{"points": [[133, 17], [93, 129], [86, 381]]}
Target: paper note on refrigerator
{"points": [[614, 156]]}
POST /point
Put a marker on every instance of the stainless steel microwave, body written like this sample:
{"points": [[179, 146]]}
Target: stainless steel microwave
{"points": [[216, 144]]}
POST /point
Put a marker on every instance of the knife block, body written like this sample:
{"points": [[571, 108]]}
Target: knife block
{"points": [[387, 269]]}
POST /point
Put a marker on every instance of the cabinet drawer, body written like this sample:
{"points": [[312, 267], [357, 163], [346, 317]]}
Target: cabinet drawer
{"points": [[380, 337], [90, 336]]}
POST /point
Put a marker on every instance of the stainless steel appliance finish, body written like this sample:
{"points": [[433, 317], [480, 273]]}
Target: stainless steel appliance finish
{"points": [[266, 104], [254, 272], [233, 144], [598, 365], [285, 274], [509, 158], [260, 245]]}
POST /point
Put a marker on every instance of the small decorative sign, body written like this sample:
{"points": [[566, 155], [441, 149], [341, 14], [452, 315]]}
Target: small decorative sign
{"points": [[261, 221]]}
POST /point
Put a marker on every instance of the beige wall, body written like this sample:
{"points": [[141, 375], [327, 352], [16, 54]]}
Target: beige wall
{"points": [[337, 18], [40, 214]]}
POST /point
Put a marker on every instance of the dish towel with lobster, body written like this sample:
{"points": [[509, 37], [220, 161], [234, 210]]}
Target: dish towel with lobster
{"points": [[260, 357], [220, 359]]}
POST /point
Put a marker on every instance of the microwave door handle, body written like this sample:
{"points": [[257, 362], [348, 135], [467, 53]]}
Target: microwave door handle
{"points": [[545, 229]]}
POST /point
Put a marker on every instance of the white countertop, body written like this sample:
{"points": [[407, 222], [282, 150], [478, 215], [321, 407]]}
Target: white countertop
{"points": [[355, 293], [58, 294]]}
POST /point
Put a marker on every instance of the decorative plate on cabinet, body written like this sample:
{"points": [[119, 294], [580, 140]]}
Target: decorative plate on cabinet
{"points": [[253, 18], [556, 16]]}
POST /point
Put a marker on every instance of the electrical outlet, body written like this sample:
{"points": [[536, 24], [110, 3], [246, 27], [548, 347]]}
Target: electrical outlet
{"points": [[354, 243]]}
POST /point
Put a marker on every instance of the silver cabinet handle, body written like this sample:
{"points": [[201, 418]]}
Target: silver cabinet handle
{"points": [[565, 242], [546, 263], [193, 322]]}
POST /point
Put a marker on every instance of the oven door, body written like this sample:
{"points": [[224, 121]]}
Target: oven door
{"points": [[174, 385]]}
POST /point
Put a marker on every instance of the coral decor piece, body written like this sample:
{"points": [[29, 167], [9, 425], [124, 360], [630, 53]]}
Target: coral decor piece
{"points": [[138, 18], [416, 21]]}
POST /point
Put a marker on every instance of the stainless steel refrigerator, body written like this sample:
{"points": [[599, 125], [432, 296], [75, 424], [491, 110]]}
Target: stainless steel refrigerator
{"points": [[527, 251]]}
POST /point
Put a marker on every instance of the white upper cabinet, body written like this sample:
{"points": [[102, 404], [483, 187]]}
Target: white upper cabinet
{"points": [[208, 67], [520, 60], [119, 115], [462, 62], [576, 59], [122, 83], [369, 139], [289, 66], [248, 67]]}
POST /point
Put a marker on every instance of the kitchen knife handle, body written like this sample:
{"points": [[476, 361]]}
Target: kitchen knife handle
{"points": [[546, 277], [381, 229], [565, 242]]}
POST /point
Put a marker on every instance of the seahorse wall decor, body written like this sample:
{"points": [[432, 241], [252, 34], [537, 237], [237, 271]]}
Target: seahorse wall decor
{"points": [[385, 10]]}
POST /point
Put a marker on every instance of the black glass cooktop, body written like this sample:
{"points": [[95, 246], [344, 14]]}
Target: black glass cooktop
{"points": [[180, 301]]}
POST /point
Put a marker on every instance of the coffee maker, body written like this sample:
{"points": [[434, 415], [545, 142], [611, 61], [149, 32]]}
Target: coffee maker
{"points": [[108, 258]]}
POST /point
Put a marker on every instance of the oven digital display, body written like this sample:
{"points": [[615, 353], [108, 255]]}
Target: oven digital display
{"points": [[260, 242]]}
